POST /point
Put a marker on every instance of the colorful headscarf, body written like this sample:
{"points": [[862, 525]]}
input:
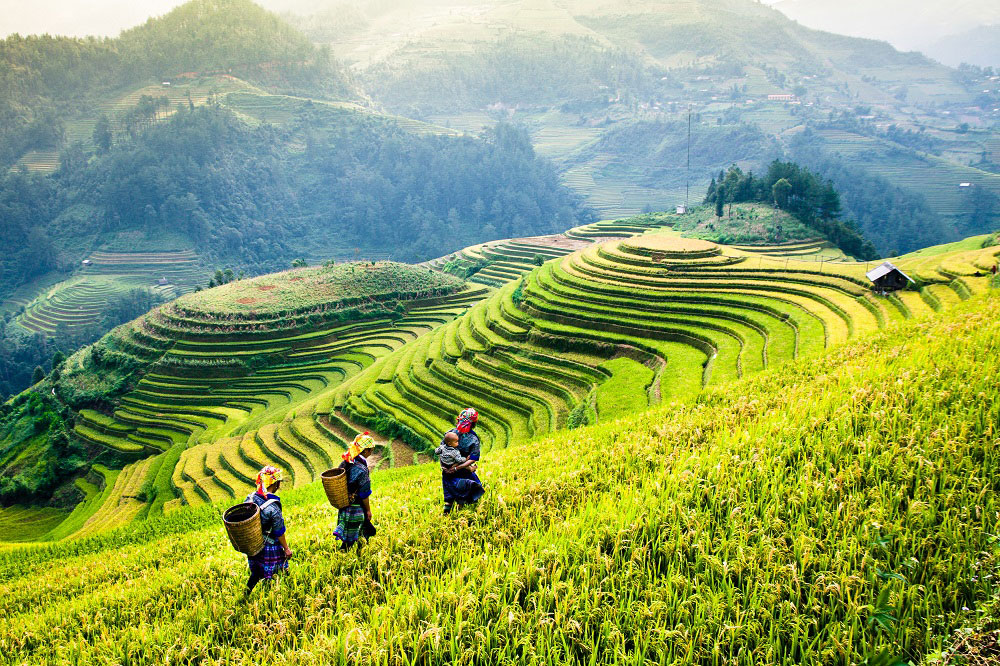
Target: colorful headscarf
{"points": [[266, 478], [360, 443], [466, 420]]}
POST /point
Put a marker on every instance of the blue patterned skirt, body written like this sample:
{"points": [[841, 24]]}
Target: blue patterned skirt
{"points": [[349, 522], [269, 561]]}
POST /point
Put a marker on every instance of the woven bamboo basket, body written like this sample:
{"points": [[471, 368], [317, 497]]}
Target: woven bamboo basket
{"points": [[335, 485], [243, 528]]}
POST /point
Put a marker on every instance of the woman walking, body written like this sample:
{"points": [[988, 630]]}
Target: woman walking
{"points": [[358, 514], [274, 557], [461, 484]]}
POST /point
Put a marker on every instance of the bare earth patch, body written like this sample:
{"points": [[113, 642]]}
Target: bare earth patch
{"points": [[558, 241], [246, 301], [268, 287], [402, 455]]}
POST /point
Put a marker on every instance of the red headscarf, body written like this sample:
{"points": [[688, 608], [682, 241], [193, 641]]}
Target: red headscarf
{"points": [[466, 420]]}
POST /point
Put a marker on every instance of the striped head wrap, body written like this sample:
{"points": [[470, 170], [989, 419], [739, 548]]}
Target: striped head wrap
{"points": [[466, 420], [360, 443], [267, 477]]}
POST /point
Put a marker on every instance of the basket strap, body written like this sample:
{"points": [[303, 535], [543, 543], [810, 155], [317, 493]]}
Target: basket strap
{"points": [[267, 537]]}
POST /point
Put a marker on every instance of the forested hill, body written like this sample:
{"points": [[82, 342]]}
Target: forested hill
{"points": [[256, 196], [46, 80]]}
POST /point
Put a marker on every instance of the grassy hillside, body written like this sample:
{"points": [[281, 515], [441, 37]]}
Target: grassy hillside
{"points": [[212, 364], [832, 510]]}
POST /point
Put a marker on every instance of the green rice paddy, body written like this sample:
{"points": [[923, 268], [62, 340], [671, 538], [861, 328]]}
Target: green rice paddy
{"points": [[836, 509]]}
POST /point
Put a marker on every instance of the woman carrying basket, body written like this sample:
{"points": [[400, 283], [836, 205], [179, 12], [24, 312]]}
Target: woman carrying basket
{"points": [[358, 515], [274, 557], [461, 484]]}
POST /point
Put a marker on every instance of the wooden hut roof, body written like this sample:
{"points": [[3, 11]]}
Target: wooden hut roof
{"points": [[883, 270]]}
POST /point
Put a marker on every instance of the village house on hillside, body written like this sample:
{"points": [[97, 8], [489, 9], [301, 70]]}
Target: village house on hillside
{"points": [[887, 278]]}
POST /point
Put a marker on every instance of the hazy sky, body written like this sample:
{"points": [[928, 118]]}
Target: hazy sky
{"points": [[903, 22], [77, 18]]}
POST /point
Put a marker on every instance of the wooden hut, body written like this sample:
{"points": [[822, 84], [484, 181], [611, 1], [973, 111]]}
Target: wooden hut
{"points": [[887, 278]]}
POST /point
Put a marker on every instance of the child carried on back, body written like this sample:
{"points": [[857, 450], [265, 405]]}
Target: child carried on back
{"points": [[448, 453]]}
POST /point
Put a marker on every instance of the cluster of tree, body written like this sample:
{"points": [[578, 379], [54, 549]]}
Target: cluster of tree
{"points": [[128, 124], [417, 197], [27, 204], [44, 79], [127, 306], [22, 356], [973, 76], [222, 277], [798, 191], [37, 423]]}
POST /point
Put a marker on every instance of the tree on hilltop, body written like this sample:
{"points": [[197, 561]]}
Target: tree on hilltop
{"points": [[780, 192], [798, 191]]}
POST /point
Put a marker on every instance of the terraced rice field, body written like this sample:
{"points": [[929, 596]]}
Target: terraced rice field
{"points": [[223, 397], [180, 270], [815, 249], [935, 178], [823, 513], [43, 161], [82, 301], [79, 303], [694, 314], [498, 262], [20, 524], [593, 334]]}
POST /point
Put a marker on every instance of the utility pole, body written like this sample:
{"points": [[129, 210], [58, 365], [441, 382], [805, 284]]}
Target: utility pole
{"points": [[687, 185]]}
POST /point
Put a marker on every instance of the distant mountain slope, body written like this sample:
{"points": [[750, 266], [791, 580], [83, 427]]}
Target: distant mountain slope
{"points": [[561, 39], [978, 46], [229, 36], [908, 24]]}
